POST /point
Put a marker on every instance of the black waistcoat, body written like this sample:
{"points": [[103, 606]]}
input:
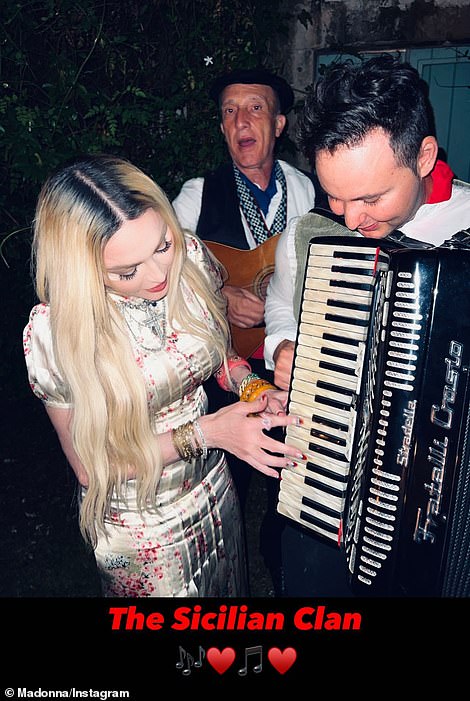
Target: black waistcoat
{"points": [[220, 218]]}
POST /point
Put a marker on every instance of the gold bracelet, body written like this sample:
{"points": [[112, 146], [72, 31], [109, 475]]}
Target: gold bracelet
{"points": [[185, 443], [179, 442], [254, 388], [187, 435], [259, 390], [250, 388]]}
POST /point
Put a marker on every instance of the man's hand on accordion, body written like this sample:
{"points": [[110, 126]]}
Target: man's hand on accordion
{"points": [[283, 360]]}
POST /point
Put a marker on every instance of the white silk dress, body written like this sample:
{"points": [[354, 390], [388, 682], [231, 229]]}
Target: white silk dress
{"points": [[192, 543]]}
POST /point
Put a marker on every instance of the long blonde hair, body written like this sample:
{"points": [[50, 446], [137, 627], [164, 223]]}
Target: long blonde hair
{"points": [[79, 208]]}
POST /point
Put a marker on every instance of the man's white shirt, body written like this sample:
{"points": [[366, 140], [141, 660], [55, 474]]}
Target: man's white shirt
{"points": [[300, 200]]}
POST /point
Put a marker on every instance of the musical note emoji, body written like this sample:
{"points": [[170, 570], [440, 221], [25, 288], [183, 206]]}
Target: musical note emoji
{"points": [[185, 662], [182, 654], [202, 654], [255, 650]]}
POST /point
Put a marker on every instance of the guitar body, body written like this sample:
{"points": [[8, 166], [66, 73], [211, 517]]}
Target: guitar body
{"points": [[252, 270]]}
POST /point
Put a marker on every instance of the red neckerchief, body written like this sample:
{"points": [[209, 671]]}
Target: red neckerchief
{"points": [[442, 177]]}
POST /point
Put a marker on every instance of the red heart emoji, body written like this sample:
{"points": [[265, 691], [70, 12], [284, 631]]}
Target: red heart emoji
{"points": [[220, 661], [282, 661]]}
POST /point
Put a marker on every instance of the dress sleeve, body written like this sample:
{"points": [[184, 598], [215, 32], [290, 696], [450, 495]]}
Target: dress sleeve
{"points": [[44, 377], [206, 262]]}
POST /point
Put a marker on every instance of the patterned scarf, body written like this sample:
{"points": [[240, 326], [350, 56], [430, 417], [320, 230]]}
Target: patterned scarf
{"points": [[253, 213]]}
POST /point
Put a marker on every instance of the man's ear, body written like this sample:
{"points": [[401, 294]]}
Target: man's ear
{"points": [[280, 124], [427, 156]]}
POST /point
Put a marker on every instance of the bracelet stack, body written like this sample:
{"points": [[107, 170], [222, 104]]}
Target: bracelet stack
{"points": [[187, 444], [252, 386]]}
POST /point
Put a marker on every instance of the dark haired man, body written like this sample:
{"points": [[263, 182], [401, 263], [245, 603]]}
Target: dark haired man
{"points": [[369, 132]]}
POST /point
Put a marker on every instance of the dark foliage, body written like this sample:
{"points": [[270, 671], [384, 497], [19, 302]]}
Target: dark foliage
{"points": [[126, 78]]}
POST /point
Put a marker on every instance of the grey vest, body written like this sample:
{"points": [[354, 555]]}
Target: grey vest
{"points": [[310, 225]]}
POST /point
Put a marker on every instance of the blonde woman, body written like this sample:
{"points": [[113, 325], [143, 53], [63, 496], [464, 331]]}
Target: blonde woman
{"points": [[130, 324]]}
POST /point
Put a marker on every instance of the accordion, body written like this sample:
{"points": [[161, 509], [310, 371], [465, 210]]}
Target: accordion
{"points": [[381, 381]]}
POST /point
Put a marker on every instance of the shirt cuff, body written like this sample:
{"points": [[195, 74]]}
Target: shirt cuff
{"points": [[270, 345]]}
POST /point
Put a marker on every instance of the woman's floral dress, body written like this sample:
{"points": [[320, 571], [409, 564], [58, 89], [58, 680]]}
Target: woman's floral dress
{"points": [[192, 543]]}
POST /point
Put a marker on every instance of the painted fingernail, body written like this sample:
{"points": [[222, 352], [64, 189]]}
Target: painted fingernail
{"points": [[291, 463]]}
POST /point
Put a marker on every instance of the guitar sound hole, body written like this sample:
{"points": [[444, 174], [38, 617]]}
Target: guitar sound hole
{"points": [[261, 281]]}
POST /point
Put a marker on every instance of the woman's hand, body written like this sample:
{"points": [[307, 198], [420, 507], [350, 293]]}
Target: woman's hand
{"points": [[241, 428]]}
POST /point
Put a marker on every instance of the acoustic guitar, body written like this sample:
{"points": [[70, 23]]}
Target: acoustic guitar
{"points": [[251, 269]]}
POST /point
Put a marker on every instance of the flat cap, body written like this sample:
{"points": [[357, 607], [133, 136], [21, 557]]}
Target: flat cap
{"points": [[255, 76]]}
